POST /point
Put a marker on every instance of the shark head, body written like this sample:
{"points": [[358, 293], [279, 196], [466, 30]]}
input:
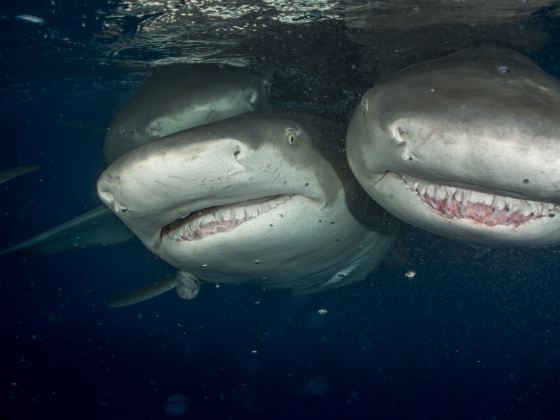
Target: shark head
{"points": [[255, 197], [178, 97], [467, 146]]}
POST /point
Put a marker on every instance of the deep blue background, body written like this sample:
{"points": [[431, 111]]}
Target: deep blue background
{"points": [[475, 335]]}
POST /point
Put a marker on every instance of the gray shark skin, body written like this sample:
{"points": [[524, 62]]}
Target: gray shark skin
{"points": [[466, 146], [5, 176], [172, 99], [178, 97], [261, 199]]}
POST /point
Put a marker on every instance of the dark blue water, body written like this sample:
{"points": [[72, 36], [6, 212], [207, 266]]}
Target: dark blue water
{"points": [[475, 335]]}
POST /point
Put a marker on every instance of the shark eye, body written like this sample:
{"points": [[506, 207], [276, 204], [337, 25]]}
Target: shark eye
{"points": [[291, 136], [503, 69], [253, 98]]}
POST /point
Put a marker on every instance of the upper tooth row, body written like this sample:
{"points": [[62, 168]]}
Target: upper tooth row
{"points": [[231, 214], [513, 205], [226, 215], [237, 213]]}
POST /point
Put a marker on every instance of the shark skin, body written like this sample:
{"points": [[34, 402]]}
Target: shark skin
{"points": [[178, 97], [263, 199], [466, 146]]}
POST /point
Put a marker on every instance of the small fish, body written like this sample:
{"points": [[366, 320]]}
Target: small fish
{"points": [[31, 18]]}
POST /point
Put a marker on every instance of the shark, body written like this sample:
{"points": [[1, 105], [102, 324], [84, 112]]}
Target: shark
{"points": [[265, 199], [466, 146], [172, 98], [9, 174], [177, 97]]}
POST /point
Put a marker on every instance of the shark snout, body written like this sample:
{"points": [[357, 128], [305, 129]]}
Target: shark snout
{"points": [[158, 175]]}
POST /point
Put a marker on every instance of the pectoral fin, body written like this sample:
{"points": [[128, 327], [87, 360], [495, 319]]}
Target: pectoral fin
{"points": [[20, 170], [96, 227], [186, 284], [144, 293]]}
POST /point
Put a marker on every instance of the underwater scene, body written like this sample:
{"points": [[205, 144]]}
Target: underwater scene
{"points": [[272, 209]]}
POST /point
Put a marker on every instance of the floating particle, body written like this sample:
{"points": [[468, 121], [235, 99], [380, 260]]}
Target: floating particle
{"points": [[410, 274], [176, 405], [322, 311], [254, 351], [31, 19], [317, 386], [314, 387]]}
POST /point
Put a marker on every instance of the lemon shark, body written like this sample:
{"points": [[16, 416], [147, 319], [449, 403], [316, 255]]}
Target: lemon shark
{"points": [[8, 174], [173, 98], [178, 97], [266, 199], [466, 146]]}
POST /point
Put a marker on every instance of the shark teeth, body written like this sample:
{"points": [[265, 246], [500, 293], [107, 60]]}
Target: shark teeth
{"points": [[213, 220], [488, 209]]}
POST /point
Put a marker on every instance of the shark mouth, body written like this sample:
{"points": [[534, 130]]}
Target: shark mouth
{"points": [[210, 221], [488, 209]]}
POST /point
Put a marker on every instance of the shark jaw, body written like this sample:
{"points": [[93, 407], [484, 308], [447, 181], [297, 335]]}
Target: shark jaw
{"points": [[220, 219], [483, 208], [458, 212], [237, 238]]}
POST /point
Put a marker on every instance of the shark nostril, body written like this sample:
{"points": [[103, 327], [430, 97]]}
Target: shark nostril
{"points": [[118, 207], [253, 98], [236, 152], [401, 135]]}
